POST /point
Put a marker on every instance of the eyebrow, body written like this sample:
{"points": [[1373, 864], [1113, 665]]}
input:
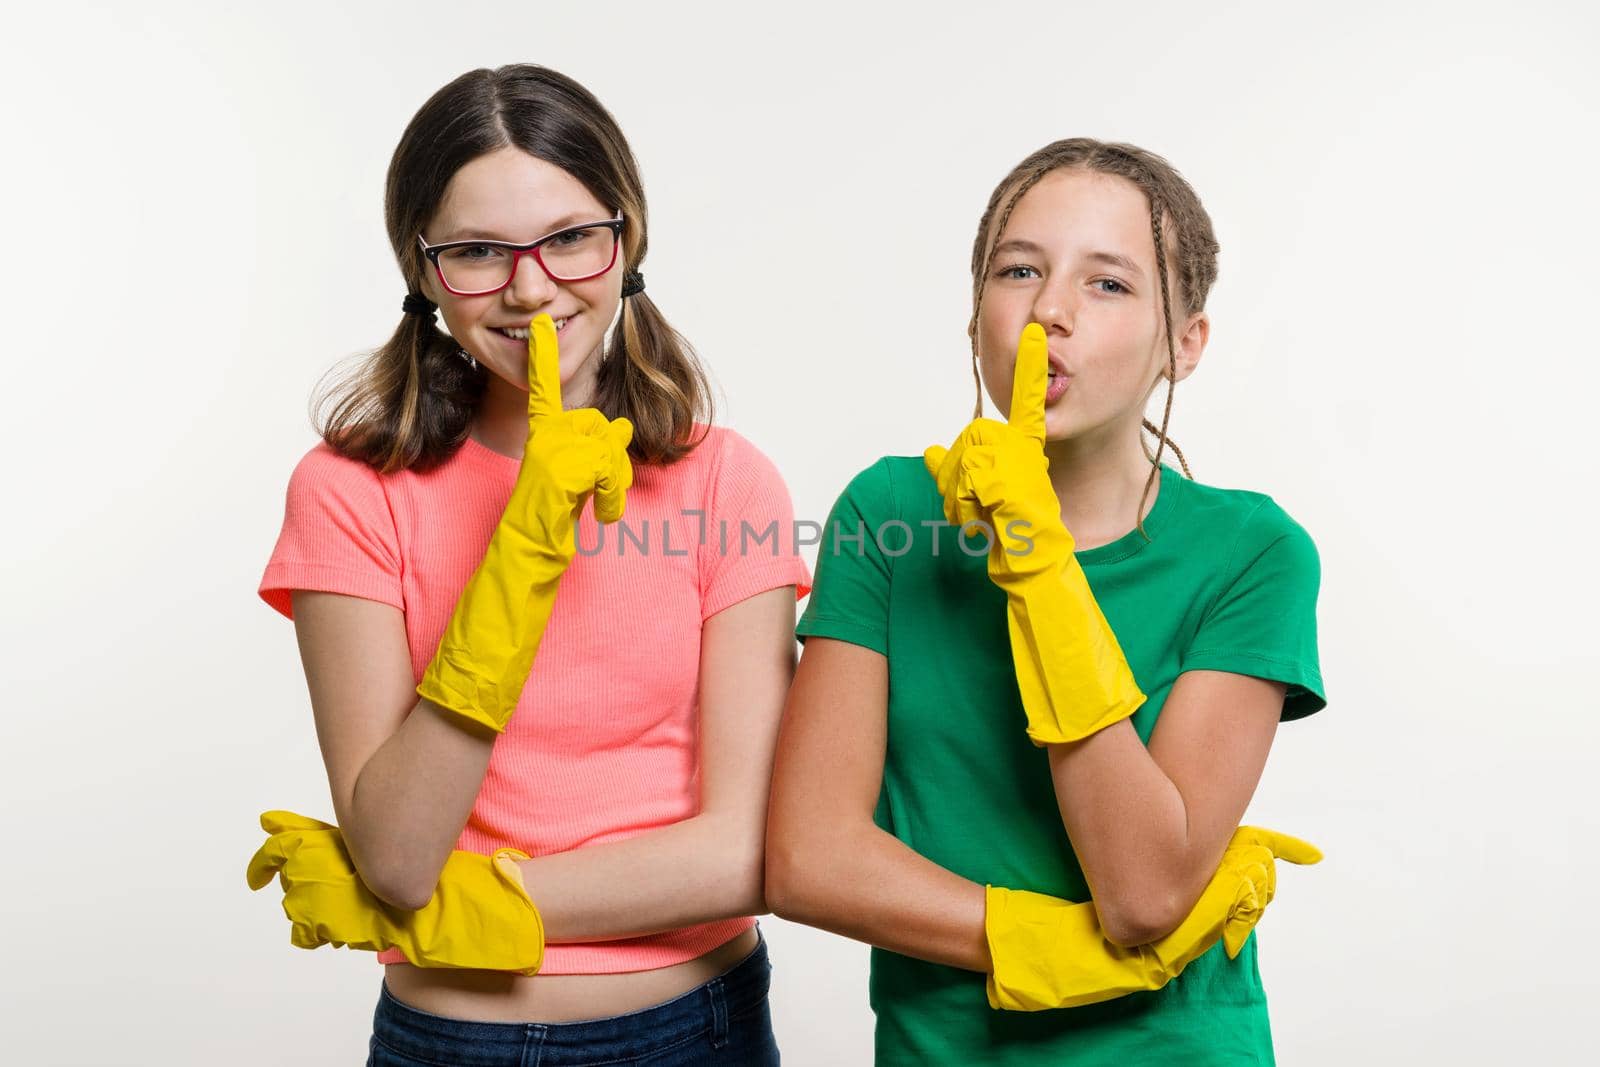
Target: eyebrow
{"points": [[469, 233], [1017, 244]]}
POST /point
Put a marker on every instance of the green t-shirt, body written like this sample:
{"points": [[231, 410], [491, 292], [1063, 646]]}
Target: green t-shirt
{"points": [[1227, 582]]}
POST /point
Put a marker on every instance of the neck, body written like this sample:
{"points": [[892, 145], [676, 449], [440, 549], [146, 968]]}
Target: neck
{"points": [[501, 421], [1100, 481]]}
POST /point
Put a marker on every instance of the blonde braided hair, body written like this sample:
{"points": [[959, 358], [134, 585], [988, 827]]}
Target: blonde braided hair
{"points": [[1170, 196]]}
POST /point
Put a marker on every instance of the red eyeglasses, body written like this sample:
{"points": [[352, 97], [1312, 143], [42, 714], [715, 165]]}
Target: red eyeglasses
{"points": [[571, 254]]}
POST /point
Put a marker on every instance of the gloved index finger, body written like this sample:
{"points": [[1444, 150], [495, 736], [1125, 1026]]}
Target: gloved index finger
{"points": [[1283, 846], [544, 368], [266, 862], [1030, 380]]}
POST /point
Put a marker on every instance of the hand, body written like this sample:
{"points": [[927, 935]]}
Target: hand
{"points": [[1051, 953], [480, 915], [1071, 674], [568, 456], [488, 648], [1237, 896], [997, 473]]}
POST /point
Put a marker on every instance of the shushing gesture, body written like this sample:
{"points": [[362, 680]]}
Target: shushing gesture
{"points": [[1071, 673], [568, 455], [488, 648], [996, 474]]}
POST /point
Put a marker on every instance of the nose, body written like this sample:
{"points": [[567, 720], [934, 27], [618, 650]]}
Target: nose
{"points": [[530, 286], [1054, 305]]}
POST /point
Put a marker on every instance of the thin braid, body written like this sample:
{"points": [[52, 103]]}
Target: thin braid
{"points": [[1155, 431], [983, 281], [1156, 209]]}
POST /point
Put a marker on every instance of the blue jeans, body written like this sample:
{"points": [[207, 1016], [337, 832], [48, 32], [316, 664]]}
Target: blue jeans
{"points": [[725, 1021]]}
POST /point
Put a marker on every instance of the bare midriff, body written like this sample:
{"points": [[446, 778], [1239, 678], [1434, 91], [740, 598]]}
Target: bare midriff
{"points": [[499, 997]]}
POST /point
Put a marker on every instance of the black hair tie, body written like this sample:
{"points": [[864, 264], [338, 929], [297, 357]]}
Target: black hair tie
{"points": [[632, 283], [417, 304]]}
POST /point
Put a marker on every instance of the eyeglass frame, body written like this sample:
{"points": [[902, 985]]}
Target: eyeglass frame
{"points": [[432, 252]]}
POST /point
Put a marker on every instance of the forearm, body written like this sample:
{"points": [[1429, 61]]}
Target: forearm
{"points": [[700, 870], [1129, 824], [865, 884], [411, 800]]}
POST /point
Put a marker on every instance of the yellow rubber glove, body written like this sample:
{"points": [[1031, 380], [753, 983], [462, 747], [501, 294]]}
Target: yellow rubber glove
{"points": [[1051, 953], [480, 916], [1070, 669], [487, 650]]}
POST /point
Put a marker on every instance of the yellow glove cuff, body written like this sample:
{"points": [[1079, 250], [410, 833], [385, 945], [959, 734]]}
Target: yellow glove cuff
{"points": [[1050, 953], [1071, 673]]}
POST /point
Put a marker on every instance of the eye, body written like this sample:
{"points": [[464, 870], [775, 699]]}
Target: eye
{"points": [[1017, 272], [570, 238], [1120, 288], [474, 253]]}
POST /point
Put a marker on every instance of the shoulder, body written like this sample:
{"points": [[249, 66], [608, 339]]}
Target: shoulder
{"points": [[338, 535], [323, 470], [888, 486], [722, 446], [727, 460], [329, 490], [1253, 524]]}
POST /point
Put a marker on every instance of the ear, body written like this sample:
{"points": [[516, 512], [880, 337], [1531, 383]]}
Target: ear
{"points": [[1191, 345], [430, 284]]}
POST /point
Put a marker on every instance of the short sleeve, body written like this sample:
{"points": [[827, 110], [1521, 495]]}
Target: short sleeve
{"points": [[749, 538], [338, 534], [851, 598], [1263, 622]]}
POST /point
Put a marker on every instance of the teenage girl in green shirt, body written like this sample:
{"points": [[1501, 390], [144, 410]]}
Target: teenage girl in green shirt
{"points": [[1015, 758]]}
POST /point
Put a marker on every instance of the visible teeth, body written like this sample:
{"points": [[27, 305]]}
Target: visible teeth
{"points": [[520, 333]]}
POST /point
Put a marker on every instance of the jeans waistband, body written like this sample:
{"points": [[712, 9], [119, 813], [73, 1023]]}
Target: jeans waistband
{"points": [[706, 1007]]}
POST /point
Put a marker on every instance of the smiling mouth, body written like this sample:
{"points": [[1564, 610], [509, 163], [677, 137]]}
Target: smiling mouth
{"points": [[520, 333]]}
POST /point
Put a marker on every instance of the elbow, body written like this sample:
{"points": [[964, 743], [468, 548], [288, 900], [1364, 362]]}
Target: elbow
{"points": [[749, 875], [776, 888], [406, 897], [1133, 919], [787, 889], [401, 889], [728, 860], [398, 881]]}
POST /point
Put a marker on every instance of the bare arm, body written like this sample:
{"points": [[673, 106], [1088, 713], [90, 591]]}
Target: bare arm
{"points": [[1149, 825], [706, 867], [403, 773], [828, 864], [404, 782]]}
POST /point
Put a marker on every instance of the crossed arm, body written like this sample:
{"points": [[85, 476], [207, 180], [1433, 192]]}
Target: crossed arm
{"points": [[404, 774], [1148, 825]]}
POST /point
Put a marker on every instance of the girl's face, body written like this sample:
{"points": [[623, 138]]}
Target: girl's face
{"points": [[1077, 257], [509, 195]]}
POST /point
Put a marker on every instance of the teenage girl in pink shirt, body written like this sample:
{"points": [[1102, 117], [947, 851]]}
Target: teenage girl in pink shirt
{"points": [[558, 855]]}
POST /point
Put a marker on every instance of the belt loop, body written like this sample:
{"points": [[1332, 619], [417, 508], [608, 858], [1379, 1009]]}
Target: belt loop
{"points": [[719, 1013], [533, 1036]]}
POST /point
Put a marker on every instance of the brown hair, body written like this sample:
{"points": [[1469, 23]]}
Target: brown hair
{"points": [[411, 404], [1176, 216]]}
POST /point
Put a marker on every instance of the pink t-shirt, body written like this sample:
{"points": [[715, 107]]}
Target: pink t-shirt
{"points": [[603, 742]]}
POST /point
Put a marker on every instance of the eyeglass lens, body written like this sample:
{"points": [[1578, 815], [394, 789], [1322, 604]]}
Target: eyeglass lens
{"points": [[568, 256]]}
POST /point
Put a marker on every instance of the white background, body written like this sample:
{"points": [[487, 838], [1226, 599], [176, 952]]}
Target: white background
{"points": [[1402, 355]]}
